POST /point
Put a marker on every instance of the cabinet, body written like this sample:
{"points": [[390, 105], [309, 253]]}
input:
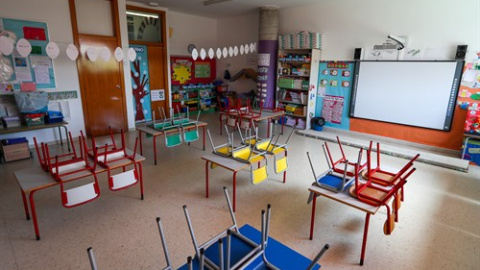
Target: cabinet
{"points": [[297, 85], [194, 97]]}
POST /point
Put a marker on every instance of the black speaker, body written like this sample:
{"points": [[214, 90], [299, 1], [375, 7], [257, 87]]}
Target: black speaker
{"points": [[461, 52], [357, 54]]}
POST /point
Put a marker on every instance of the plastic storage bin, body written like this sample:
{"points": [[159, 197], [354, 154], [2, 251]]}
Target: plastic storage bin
{"points": [[472, 152], [54, 117]]}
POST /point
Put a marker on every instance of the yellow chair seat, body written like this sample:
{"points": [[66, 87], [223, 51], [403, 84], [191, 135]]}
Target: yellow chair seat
{"points": [[259, 175]]}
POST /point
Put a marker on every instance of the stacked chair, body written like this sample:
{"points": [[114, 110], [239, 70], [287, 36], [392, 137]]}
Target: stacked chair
{"points": [[177, 129], [229, 250]]}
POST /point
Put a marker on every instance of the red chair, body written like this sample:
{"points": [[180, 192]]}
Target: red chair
{"points": [[376, 195], [109, 156], [339, 165], [42, 155]]}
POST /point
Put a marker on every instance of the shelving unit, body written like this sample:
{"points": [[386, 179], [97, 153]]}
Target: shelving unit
{"points": [[297, 84], [194, 98]]}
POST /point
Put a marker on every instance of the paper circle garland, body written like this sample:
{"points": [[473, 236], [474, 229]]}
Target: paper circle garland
{"points": [[247, 48], [52, 50], [219, 53], [252, 48], [225, 52], [24, 48], [105, 53], [203, 54], [230, 51], [92, 53], [194, 54], [6, 45], [132, 55], [235, 51], [119, 54], [242, 49], [72, 52], [211, 53]]}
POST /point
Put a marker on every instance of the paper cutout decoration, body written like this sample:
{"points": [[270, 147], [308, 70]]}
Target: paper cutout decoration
{"points": [[219, 53], [230, 51], [119, 54], [24, 48], [34, 33], [252, 47], [52, 50], [225, 52], [203, 54], [92, 53], [6, 45], [247, 48], [105, 53], [211, 53], [242, 49], [132, 55], [72, 52], [194, 54], [235, 51]]}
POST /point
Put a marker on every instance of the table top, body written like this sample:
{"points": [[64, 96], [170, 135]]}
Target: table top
{"points": [[345, 198], [30, 128], [156, 132], [34, 178], [266, 114], [226, 162]]}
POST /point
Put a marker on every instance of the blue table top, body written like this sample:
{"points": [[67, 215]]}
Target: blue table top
{"points": [[277, 253]]}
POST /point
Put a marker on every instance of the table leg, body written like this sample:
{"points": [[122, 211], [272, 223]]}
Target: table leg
{"points": [[140, 176], [66, 136], [140, 139], [284, 176], [268, 128], [203, 138], [206, 178], [34, 215], [312, 219], [365, 234], [465, 147], [155, 149], [220, 119], [25, 204], [234, 190]]}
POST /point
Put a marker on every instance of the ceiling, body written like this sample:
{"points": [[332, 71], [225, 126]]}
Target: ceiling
{"points": [[226, 9]]}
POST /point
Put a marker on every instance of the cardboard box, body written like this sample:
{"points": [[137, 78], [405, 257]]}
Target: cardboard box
{"points": [[14, 152]]}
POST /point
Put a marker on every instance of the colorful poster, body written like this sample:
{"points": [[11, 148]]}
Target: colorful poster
{"points": [[141, 84], [184, 70], [335, 87], [333, 109]]}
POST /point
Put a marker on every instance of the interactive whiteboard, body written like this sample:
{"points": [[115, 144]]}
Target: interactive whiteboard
{"points": [[414, 93]]}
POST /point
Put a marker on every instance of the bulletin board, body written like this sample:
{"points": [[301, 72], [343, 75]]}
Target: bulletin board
{"points": [[184, 70], [334, 93], [37, 67]]}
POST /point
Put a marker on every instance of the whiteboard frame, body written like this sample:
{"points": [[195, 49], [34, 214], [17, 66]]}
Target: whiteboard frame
{"points": [[450, 108]]}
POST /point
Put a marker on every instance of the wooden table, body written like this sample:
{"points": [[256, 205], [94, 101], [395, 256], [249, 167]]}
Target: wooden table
{"points": [[60, 125], [34, 179], [265, 115], [231, 165], [143, 128], [346, 199]]}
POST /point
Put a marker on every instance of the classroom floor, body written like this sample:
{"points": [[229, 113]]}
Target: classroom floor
{"points": [[438, 227]]}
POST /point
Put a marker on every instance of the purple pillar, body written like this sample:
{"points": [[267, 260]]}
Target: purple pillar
{"points": [[267, 56]]}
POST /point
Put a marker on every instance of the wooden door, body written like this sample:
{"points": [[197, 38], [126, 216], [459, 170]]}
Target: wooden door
{"points": [[103, 88], [157, 66]]}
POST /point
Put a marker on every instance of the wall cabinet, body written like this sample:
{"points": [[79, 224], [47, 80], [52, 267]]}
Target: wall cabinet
{"points": [[297, 85]]}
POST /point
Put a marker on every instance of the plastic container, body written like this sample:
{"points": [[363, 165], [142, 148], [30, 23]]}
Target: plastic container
{"points": [[54, 117]]}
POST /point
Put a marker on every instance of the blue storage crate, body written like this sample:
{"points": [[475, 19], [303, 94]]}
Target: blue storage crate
{"points": [[472, 152], [54, 117]]}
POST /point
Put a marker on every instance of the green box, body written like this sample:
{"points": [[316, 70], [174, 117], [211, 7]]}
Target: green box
{"points": [[285, 83]]}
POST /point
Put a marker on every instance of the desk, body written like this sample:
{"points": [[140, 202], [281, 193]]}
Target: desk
{"points": [[143, 128], [34, 179], [265, 115], [344, 198], [231, 165], [64, 124]]}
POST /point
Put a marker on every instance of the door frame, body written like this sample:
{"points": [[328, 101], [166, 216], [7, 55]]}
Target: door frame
{"points": [[76, 40]]}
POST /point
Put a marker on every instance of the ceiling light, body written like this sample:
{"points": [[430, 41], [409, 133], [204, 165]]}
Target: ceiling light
{"points": [[153, 4], [213, 2], [142, 14]]}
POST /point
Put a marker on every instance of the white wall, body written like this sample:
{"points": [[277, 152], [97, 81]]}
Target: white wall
{"points": [[57, 16], [237, 31], [348, 24], [192, 29]]}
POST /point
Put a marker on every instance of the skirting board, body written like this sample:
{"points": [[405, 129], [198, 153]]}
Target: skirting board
{"points": [[388, 147]]}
